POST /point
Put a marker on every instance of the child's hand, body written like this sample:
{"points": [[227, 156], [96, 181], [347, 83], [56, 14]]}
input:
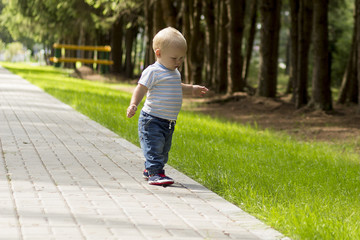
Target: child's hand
{"points": [[199, 91], [131, 110]]}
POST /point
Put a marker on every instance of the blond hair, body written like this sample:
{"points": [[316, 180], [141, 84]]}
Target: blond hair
{"points": [[169, 37]]}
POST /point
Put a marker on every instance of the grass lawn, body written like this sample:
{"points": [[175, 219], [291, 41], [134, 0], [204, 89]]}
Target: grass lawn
{"points": [[304, 190]]}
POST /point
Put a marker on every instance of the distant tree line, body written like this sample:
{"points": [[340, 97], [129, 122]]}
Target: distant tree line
{"points": [[311, 37]]}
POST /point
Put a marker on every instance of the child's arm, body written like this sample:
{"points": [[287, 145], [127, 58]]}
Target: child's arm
{"points": [[194, 90], [136, 98]]}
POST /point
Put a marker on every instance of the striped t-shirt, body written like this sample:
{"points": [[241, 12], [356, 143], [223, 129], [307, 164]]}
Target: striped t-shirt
{"points": [[164, 96]]}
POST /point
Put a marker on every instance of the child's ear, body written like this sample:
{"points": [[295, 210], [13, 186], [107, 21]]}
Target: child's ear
{"points": [[157, 52]]}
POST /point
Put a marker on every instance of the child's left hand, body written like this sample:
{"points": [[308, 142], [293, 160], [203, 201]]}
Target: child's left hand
{"points": [[199, 91]]}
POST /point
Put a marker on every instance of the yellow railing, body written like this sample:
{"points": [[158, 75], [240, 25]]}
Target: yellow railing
{"points": [[85, 48], [57, 59], [83, 60]]}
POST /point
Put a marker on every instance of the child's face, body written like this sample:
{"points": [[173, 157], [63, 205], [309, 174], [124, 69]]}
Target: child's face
{"points": [[171, 58]]}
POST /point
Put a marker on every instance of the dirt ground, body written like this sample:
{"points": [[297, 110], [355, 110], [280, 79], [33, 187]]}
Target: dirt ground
{"points": [[339, 126]]}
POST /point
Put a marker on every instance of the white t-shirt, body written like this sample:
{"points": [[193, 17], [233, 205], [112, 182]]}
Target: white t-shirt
{"points": [[164, 96]]}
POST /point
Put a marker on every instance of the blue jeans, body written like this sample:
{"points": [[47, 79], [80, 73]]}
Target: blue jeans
{"points": [[155, 136]]}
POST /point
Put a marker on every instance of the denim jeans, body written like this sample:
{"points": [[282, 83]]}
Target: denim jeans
{"points": [[155, 136]]}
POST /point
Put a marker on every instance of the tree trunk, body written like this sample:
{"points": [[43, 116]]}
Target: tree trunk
{"points": [[294, 44], [135, 56], [287, 57], [250, 41], [321, 93], [221, 80], [116, 45], [348, 89], [149, 33], [236, 13], [196, 57], [158, 17], [130, 36], [289, 87], [142, 51], [304, 40], [169, 13], [69, 54], [88, 54], [214, 80], [101, 41], [270, 21], [186, 15], [349, 85], [210, 40]]}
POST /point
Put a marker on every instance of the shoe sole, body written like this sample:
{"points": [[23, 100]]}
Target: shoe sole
{"points": [[167, 183]]}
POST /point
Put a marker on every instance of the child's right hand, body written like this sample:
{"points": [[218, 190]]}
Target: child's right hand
{"points": [[131, 110]]}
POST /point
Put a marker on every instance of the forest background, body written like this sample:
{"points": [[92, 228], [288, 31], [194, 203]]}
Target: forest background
{"points": [[234, 45]]}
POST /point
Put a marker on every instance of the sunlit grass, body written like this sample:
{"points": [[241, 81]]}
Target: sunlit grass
{"points": [[305, 190]]}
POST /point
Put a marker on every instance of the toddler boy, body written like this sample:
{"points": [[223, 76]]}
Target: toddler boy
{"points": [[162, 83]]}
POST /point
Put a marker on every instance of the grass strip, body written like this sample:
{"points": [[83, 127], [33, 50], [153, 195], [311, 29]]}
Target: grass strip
{"points": [[304, 190]]}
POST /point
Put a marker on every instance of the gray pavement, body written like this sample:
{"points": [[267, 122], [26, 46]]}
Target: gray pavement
{"points": [[64, 176]]}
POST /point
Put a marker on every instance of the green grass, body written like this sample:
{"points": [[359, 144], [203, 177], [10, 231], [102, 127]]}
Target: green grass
{"points": [[304, 190]]}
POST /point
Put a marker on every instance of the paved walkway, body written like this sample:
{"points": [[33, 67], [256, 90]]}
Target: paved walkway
{"points": [[64, 176]]}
